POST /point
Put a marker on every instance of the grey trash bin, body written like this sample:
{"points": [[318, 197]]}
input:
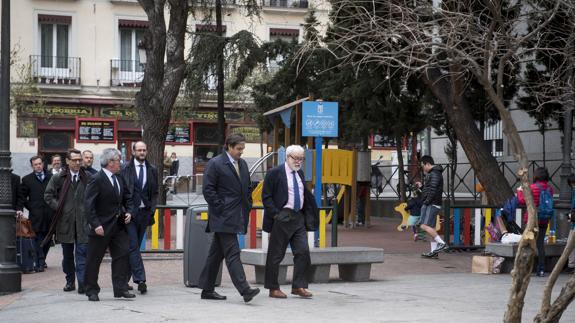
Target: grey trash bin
{"points": [[196, 246]]}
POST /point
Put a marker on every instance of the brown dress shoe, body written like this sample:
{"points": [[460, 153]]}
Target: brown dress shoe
{"points": [[301, 292], [277, 293]]}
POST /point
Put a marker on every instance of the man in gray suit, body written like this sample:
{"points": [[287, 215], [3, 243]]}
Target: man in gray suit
{"points": [[227, 191]]}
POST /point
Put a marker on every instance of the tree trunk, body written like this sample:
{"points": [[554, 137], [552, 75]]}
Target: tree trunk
{"points": [[161, 83], [401, 172], [484, 164], [220, 77], [552, 313]]}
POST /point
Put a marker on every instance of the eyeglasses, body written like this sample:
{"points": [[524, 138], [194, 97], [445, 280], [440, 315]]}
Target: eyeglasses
{"points": [[297, 159]]}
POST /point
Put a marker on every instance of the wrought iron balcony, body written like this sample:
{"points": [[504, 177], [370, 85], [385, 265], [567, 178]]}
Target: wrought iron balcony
{"points": [[280, 4], [55, 70], [126, 73]]}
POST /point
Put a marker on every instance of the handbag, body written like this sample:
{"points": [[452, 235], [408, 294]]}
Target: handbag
{"points": [[24, 228]]}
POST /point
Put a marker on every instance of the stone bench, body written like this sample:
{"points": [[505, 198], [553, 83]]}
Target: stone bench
{"points": [[354, 263], [509, 250]]}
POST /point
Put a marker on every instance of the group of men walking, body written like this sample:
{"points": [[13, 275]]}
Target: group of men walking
{"points": [[88, 212]]}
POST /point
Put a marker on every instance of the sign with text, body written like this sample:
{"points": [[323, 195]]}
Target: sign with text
{"points": [[96, 130], [179, 134], [319, 119]]}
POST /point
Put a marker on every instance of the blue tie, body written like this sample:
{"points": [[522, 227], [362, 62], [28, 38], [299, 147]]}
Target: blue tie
{"points": [[39, 176], [141, 177], [296, 201]]}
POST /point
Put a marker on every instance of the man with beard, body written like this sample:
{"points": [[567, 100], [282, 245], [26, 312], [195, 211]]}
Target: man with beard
{"points": [[88, 161], [290, 211], [142, 181]]}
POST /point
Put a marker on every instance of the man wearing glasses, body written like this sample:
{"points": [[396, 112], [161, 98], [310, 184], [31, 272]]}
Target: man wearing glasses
{"points": [[290, 211], [65, 195], [108, 203]]}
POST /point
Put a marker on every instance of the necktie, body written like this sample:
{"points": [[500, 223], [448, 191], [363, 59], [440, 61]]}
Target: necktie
{"points": [[116, 187], [39, 176], [296, 200], [141, 177], [75, 179], [237, 167]]}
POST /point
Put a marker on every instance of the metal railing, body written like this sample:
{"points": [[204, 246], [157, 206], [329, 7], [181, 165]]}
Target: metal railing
{"points": [[55, 70], [301, 4], [465, 179], [126, 73]]}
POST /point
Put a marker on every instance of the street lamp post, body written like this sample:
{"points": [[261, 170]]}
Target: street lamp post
{"points": [[10, 276]]}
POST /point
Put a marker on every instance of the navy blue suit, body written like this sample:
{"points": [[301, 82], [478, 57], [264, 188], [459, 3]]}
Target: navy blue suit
{"points": [[287, 226], [229, 202], [143, 216]]}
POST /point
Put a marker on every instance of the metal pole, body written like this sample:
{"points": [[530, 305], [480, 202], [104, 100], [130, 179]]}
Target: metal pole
{"points": [[10, 276], [334, 221], [565, 190]]}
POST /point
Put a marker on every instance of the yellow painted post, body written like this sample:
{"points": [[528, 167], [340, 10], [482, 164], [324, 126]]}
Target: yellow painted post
{"points": [[155, 230], [346, 200], [353, 204], [322, 228], [487, 222]]}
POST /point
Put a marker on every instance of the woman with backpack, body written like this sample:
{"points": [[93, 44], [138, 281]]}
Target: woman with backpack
{"points": [[539, 188]]}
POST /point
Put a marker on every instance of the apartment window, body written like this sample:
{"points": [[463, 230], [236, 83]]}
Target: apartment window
{"points": [[285, 34], [131, 33], [54, 40]]}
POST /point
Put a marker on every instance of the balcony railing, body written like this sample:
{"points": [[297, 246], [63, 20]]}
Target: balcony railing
{"points": [[300, 4], [56, 70], [127, 73]]}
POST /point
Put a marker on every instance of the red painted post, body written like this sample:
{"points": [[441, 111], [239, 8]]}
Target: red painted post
{"points": [[467, 227], [167, 229], [253, 228]]}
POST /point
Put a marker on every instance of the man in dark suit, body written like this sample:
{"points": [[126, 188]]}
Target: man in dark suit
{"points": [[31, 197], [107, 198], [227, 191], [87, 161], [141, 178], [290, 211]]}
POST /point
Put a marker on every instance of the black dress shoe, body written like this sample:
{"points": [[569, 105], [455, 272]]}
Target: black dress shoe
{"points": [[69, 287], [31, 271], [251, 293], [81, 289], [142, 288], [125, 294], [39, 269], [212, 295], [93, 298]]}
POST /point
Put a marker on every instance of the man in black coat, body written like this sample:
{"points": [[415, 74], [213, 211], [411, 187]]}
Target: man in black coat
{"points": [[290, 211], [31, 197], [227, 191], [87, 161], [141, 178], [107, 203], [432, 196]]}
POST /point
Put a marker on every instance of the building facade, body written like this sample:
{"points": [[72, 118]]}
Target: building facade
{"points": [[80, 60]]}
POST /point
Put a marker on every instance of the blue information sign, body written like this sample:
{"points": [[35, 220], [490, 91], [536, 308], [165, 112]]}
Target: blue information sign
{"points": [[319, 119]]}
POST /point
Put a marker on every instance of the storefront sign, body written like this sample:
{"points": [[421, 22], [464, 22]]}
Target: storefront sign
{"points": [[119, 113], [212, 115], [179, 134], [252, 134], [96, 130], [43, 111]]}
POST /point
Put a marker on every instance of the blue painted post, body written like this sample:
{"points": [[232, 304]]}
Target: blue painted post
{"points": [[143, 243], [456, 226], [318, 169], [242, 241]]}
